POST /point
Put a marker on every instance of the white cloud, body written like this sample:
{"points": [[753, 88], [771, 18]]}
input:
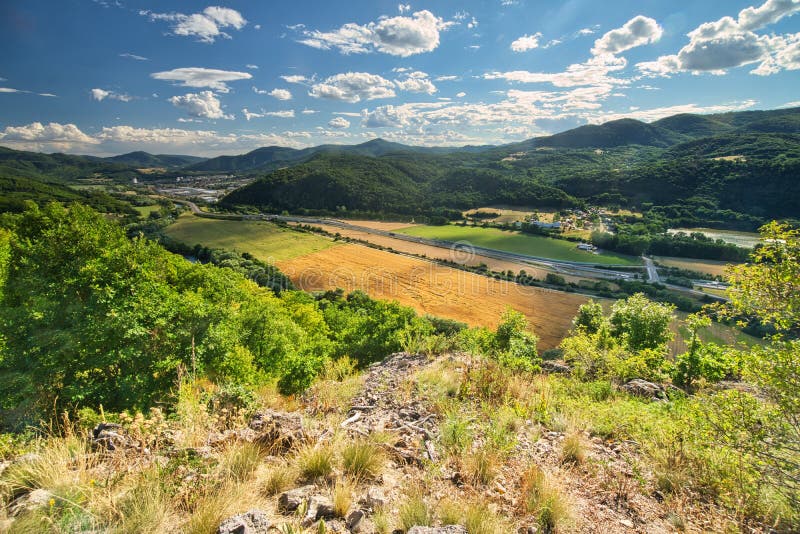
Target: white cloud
{"points": [[133, 56], [339, 122], [353, 87], [52, 136], [203, 105], [309, 111], [654, 114], [280, 94], [403, 8], [526, 42], [592, 72], [638, 31], [448, 78], [251, 66], [201, 77], [23, 91], [296, 78], [398, 36], [416, 82], [287, 114], [728, 43], [206, 26], [102, 94], [462, 94]]}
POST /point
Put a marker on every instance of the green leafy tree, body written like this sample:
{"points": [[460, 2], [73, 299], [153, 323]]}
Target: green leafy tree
{"points": [[514, 343], [590, 317], [641, 323]]}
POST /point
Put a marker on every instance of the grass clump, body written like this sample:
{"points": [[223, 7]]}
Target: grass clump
{"points": [[415, 510], [279, 478], [455, 433], [240, 460], [542, 498], [481, 466], [479, 519], [573, 449], [362, 459], [315, 462], [342, 497]]}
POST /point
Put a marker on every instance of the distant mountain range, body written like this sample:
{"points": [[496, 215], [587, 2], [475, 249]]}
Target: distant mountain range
{"points": [[144, 160], [740, 166]]}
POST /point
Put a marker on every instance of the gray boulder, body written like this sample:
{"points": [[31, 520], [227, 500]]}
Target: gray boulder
{"points": [[447, 529], [251, 522], [643, 388]]}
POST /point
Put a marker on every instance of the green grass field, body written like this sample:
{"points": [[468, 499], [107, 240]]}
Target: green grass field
{"points": [[532, 245], [265, 241], [145, 211]]}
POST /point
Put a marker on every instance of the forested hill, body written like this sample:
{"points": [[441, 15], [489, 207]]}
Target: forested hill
{"points": [[274, 157], [144, 159], [733, 169]]}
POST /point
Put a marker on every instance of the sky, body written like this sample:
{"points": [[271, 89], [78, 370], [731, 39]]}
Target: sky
{"points": [[106, 77]]}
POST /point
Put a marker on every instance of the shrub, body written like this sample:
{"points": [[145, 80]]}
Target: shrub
{"points": [[543, 499]]}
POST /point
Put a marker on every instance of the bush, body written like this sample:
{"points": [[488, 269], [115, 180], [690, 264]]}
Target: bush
{"points": [[709, 362], [514, 344]]}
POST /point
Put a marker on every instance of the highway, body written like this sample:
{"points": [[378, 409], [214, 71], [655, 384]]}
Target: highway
{"points": [[652, 272]]}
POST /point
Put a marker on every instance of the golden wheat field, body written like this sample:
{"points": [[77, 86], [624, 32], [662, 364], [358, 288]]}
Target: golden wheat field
{"points": [[435, 289]]}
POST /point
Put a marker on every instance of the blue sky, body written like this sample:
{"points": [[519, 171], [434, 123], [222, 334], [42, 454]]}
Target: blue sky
{"points": [[110, 76]]}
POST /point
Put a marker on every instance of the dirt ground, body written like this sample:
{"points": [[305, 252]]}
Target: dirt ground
{"points": [[429, 288]]}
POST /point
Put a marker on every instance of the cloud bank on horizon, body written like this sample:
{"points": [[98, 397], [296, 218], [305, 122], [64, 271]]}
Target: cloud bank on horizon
{"points": [[188, 77]]}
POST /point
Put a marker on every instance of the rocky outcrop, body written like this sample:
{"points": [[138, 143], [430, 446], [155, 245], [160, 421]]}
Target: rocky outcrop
{"points": [[643, 388], [447, 529], [277, 431], [552, 367], [112, 437], [251, 522]]}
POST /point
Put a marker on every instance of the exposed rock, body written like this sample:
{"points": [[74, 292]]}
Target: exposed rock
{"points": [[111, 436], [375, 498], [353, 520], [38, 498], [447, 529], [277, 431], [552, 367], [251, 522], [319, 507], [643, 388], [289, 501]]}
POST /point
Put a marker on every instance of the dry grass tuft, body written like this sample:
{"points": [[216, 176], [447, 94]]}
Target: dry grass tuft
{"points": [[415, 510], [363, 459], [315, 461], [573, 449], [342, 497], [541, 497]]}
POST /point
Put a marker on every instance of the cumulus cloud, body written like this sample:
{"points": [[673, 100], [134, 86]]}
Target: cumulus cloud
{"points": [[206, 26], [526, 42], [591, 72], [649, 115], [353, 87], [119, 139], [403, 8], [339, 122], [732, 42], [638, 31], [102, 94], [286, 114], [416, 82], [280, 94], [51, 136], [398, 36], [201, 77], [295, 78], [203, 105]]}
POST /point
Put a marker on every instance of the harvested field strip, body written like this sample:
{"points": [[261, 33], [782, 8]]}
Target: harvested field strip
{"points": [[439, 253], [435, 289], [711, 267]]}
